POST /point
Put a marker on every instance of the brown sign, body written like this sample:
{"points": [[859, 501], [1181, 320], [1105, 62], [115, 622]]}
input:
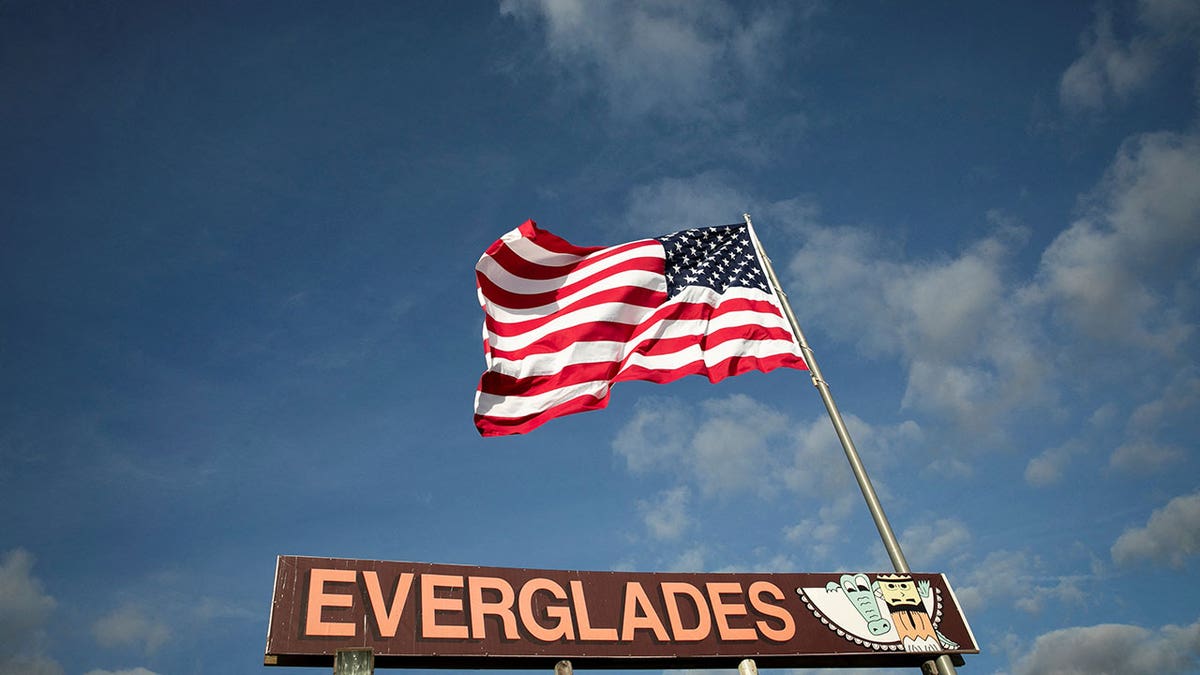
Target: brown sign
{"points": [[424, 615]]}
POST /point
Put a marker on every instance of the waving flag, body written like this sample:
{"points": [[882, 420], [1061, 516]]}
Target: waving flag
{"points": [[563, 322]]}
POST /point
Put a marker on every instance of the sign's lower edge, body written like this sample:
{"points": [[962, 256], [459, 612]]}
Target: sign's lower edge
{"points": [[882, 660]]}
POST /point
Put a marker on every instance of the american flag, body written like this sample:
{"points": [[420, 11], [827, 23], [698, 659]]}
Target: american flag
{"points": [[564, 322]]}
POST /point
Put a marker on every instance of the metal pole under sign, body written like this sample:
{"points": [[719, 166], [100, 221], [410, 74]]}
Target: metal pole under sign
{"points": [[354, 662]]}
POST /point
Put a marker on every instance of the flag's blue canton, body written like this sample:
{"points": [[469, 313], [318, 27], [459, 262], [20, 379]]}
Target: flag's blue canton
{"points": [[716, 257]]}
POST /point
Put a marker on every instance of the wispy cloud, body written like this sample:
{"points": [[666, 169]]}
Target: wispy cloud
{"points": [[667, 516], [723, 446], [1016, 578], [1141, 457], [1112, 273], [935, 542], [980, 342], [1108, 67], [678, 203], [669, 59], [130, 626], [1114, 648], [1171, 536], [25, 607], [737, 445], [1119, 57], [30, 665], [729, 449], [955, 323]]}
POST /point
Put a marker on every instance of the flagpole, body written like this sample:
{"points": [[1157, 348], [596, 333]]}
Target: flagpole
{"points": [[943, 665]]}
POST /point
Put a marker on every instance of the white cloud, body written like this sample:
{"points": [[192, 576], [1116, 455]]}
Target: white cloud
{"points": [[1111, 274], [674, 59], [1170, 536], [974, 337], [1179, 399], [1144, 457], [1172, 409], [930, 545], [819, 537], [1179, 19], [676, 203], [723, 445], [24, 605], [691, 560], [1107, 69], [955, 323], [1112, 649], [1149, 198], [210, 609], [1013, 577], [129, 626], [657, 436], [1001, 575], [947, 305], [667, 517], [25, 608], [817, 465], [1048, 468], [821, 472], [761, 561], [1111, 68], [30, 665], [734, 446], [737, 445]]}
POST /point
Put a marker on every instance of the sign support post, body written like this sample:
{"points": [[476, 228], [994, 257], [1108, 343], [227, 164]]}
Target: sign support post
{"points": [[942, 665], [354, 662]]}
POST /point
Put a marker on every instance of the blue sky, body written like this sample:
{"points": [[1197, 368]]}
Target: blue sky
{"points": [[239, 318]]}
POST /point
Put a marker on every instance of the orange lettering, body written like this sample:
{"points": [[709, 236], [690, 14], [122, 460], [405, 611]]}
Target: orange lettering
{"points": [[671, 591], [723, 611], [783, 634], [635, 599], [431, 605], [586, 632], [318, 599], [388, 619], [562, 628], [501, 608]]}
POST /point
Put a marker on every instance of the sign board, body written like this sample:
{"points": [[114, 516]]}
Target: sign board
{"points": [[422, 615]]}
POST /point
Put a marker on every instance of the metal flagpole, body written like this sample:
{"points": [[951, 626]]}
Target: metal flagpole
{"points": [[943, 665]]}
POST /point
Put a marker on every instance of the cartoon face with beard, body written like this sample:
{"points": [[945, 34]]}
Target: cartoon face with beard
{"points": [[903, 599]]}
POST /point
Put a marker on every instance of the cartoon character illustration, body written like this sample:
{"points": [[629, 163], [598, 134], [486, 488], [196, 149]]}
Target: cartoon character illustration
{"points": [[904, 602], [859, 609]]}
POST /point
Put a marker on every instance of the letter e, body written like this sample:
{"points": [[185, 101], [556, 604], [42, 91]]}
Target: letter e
{"points": [[318, 599]]}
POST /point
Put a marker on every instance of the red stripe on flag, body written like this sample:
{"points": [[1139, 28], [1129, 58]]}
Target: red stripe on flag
{"points": [[512, 261], [637, 296], [514, 300]]}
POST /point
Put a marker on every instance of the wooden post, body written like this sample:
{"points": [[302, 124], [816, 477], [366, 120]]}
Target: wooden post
{"points": [[354, 662]]}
